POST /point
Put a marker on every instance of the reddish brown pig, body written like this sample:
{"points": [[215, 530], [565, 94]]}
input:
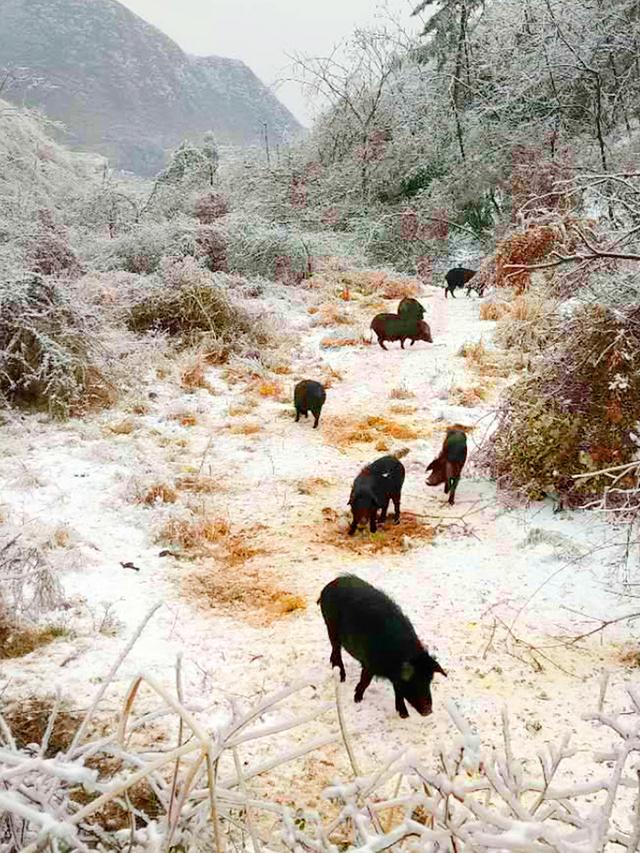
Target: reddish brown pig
{"points": [[392, 327], [447, 466]]}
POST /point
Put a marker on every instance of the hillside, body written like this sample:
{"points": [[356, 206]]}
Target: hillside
{"points": [[124, 89]]}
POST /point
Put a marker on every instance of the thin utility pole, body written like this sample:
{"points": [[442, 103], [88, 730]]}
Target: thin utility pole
{"points": [[266, 143]]}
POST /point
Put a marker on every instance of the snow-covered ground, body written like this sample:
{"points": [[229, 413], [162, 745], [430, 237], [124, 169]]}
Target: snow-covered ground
{"points": [[524, 567]]}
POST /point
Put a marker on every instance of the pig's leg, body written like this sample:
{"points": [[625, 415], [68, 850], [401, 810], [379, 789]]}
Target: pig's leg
{"points": [[365, 681], [372, 519], [381, 342], [396, 507], [336, 654], [385, 509], [401, 708], [297, 415]]}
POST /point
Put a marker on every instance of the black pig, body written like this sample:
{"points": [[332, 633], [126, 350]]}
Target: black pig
{"points": [[457, 277], [447, 466], [409, 307], [373, 489], [309, 396], [392, 327], [375, 631]]}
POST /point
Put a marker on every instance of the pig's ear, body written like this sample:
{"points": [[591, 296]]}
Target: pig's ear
{"points": [[407, 671], [438, 668], [430, 465]]}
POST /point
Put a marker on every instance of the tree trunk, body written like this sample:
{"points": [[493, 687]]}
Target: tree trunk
{"points": [[456, 79]]}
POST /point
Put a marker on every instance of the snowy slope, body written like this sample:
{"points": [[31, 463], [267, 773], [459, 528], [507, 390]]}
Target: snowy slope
{"points": [[489, 566]]}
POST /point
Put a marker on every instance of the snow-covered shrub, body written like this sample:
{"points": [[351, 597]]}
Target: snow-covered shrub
{"points": [[49, 251], [527, 322], [51, 254], [257, 248], [28, 586], [47, 340], [211, 206], [202, 793], [28, 589], [576, 413], [142, 248], [190, 303], [529, 247], [212, 247]]}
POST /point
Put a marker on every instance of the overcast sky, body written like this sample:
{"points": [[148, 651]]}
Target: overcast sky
{"points": [[263, 32]]}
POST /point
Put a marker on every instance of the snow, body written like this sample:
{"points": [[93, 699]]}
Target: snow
{"points": [[534, 570]]}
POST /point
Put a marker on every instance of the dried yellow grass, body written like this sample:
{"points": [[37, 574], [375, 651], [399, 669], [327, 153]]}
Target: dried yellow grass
{"points": [[400, 288], [333, 343], [401, 394], [252, 595], [243, 408], [28, 721], [329, 314], [311, 485], [171, 441], [242, 371], [124, 427], [16, 641], [343, 431], [268, 388], [246, 428], [630, 657], [193, 533], [403, 409], [377, 283], [330, 376], [185, 419], [212, 537], [60, 537], [469, 397], [193, 376], [198, 483], [158, 493], [484, 361], [493, 310], [389, 538]]}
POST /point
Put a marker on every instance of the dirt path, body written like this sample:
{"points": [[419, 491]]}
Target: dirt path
{"points": [[282, 491]]}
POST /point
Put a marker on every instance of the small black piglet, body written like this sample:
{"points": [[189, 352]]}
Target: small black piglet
{"points": [[309, 396]]}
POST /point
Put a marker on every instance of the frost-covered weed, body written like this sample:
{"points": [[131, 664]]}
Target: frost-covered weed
{"points": [[469, 795], [48, 356], [141, 249], [188, 302]]}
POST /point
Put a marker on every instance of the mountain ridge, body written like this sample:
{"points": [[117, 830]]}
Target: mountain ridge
{"points": [[125, 89]]}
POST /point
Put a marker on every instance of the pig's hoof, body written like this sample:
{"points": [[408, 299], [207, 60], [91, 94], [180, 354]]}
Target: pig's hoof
{"points": [[404, 714], [357, 697]]}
